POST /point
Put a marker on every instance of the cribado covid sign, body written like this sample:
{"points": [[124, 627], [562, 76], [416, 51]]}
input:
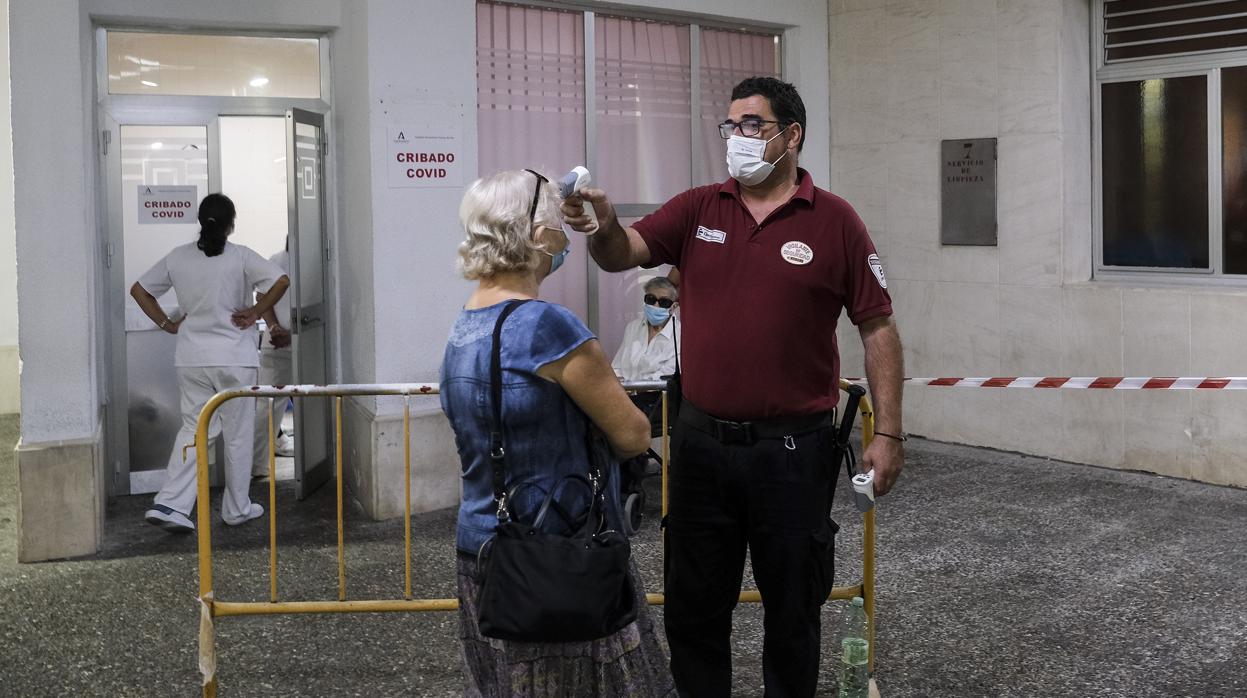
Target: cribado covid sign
{"points": [[168, 204], [418, 158]]}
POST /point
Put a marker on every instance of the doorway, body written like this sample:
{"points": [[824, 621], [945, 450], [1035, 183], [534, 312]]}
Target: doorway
{"points": [[166, 143], [160, 172]]}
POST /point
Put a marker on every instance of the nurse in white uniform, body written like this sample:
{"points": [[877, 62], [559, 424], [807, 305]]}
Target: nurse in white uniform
{"points": [[215, 281]]}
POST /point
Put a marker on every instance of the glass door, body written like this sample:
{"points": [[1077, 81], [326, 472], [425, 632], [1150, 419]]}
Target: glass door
{"points": [[313, 432], [159, 173]]}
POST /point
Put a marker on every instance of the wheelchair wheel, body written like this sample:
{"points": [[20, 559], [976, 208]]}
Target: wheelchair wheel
{"points": [[634, 512]]}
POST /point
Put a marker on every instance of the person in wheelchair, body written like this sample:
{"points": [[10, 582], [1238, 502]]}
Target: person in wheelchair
{"points": [[648, 350], [649, 344], [647, 353]]}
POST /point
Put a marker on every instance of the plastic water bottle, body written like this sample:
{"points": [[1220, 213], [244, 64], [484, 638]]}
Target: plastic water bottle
{"points": [[855, 652]]}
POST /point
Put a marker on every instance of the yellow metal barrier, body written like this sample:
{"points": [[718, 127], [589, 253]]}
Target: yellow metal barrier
{"points": [[211, 607]]}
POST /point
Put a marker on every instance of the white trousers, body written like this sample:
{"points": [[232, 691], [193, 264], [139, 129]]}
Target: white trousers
{"points": [[276, 368], [235, 420]]}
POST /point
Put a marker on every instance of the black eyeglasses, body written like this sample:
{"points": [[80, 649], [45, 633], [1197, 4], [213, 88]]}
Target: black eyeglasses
{"points": [[532, 210], [651, 299], [748, 127]]}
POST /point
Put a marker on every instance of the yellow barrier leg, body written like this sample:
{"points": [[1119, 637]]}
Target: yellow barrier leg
{"points": [[651, 598], [341, 536], [272, 507], [407, 498], [868, 545], [868, 585], [207, 647], [203, 528]]}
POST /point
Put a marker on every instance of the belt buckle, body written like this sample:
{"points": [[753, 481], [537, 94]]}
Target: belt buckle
{"points": [[734, 432]]}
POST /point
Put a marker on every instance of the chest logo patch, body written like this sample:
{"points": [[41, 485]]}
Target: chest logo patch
{"points": [[796, 252], [876, 268], [710, 235]]}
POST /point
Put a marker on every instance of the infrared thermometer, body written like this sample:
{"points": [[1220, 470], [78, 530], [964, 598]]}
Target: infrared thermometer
{"points": [[572, 183], [864, 491]]}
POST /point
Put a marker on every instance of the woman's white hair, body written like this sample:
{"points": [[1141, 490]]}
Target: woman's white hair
{"points": [[499, 234]]}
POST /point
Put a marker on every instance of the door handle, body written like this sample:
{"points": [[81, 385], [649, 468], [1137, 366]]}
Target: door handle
{"points": [[309, 319]]}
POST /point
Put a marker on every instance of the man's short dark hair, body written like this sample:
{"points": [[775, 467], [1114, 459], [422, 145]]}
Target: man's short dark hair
{"points": [[785, 101]]}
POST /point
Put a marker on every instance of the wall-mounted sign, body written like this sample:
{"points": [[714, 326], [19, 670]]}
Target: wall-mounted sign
{"points": [[968, 191], [166, 204], [421, 156]]}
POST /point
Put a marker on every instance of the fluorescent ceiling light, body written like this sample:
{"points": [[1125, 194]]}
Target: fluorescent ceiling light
{"points": [[157, 145], [149, 83], [259, 81]]}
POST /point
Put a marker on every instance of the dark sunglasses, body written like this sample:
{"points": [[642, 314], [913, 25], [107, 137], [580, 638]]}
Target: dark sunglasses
{"points": [[532, 210], [651, 299]]}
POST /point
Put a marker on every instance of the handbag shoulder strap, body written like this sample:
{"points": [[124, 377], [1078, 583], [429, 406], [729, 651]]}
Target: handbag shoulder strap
{"points": [[497, 450]]}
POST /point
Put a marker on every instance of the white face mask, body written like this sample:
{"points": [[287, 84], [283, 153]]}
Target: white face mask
{"points": [[745, 159]]}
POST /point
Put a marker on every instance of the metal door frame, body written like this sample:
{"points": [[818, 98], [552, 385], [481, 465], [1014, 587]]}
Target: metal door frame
{"points": [[308, 476], [117, 479], [115, 111]]}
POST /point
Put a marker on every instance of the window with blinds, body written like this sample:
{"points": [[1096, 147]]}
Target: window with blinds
{"points": [[1135, 29], [1171, 114], [658, 90]]}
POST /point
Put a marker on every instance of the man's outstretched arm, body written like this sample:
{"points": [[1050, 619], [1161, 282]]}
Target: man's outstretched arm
{"points": [[612, 246], [885, 370]]}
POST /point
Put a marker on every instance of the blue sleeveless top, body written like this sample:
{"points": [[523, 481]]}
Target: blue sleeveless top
{"points": [[544, 430]]}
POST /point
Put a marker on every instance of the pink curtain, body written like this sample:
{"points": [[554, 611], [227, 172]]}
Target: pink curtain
{"points": [[660, 120], [643, 73], [644, 144], [530, 113], [727, 57], [530, 96]]}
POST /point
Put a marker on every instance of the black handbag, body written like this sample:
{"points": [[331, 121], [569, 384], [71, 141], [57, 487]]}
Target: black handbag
{"points": [[543, 587]]}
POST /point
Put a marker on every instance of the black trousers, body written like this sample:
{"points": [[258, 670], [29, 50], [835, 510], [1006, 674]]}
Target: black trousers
{"points": [[772, 498]]}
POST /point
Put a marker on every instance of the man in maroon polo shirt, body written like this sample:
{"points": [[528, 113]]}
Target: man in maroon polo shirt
{"points": [[767, 263]]}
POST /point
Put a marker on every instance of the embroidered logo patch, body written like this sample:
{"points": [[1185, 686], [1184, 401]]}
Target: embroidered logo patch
{"points": [[796, 252], [709, 235], [876, 268]]}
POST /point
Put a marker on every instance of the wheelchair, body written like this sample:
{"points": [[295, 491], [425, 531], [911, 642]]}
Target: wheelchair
{"points": [[635, 471]]}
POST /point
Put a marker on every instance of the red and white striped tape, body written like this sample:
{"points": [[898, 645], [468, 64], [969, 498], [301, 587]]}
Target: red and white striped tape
{"points": [[1085, 382]]}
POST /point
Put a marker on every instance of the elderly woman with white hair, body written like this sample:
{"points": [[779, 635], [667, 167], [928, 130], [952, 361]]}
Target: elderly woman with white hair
{"points": [[557, 382]]}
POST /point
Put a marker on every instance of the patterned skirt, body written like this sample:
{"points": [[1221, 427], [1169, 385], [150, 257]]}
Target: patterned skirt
{"points": [[632, 663]]}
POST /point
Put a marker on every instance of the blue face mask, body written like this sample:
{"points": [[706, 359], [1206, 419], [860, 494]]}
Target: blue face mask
{"points": [[656, 316], [556, 260]]}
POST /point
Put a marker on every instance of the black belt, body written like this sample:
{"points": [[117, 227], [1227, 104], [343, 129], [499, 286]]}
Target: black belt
{"points": [[729, 432]]}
